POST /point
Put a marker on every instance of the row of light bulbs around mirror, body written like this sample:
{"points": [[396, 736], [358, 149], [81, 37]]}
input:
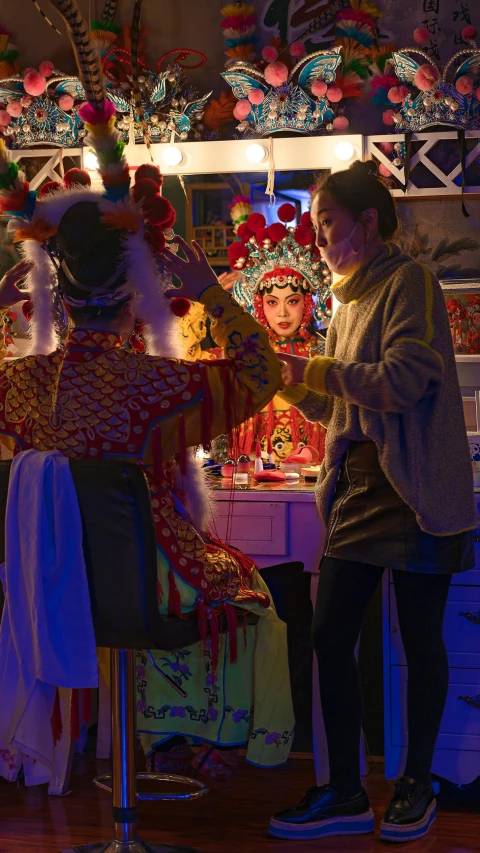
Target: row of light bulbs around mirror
{"points": [[173, 156]]}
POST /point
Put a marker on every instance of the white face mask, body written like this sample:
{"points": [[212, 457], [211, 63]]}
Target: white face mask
{"points": [[340, 256]]}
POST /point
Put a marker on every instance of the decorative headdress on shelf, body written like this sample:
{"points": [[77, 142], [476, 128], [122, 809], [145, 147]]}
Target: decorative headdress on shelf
{"points": [[425, 96], [279, 255], [240, 209], [275, 99], [150, 106]]}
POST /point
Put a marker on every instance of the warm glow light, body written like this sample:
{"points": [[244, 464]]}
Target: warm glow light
{"points": [[172, 156], [90, 161], [344, 151], [255, 153]]}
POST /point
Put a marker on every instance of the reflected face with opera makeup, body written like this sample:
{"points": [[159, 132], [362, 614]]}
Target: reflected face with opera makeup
{"points": [[283, 308]]}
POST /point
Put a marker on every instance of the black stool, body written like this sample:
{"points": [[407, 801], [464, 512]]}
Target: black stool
{"points": [[121, 562]]}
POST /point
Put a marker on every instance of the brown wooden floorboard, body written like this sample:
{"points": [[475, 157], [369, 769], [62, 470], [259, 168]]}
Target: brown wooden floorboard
{"points": [[231, 820]]}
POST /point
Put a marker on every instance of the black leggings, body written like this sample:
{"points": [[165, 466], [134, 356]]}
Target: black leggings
{"points": [[344, 591]]}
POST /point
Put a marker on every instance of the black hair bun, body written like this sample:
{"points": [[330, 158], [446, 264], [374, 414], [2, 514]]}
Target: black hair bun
{"points": [[364, 169]]}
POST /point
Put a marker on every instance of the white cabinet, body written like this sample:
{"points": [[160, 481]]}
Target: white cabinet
{"points": [[457, 754]]}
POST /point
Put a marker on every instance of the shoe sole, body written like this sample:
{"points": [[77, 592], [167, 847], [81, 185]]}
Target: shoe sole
{"points": [[412, 831], [352, 825]]}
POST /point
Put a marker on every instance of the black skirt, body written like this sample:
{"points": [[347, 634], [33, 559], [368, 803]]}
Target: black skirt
{"points": [[370, 523]]}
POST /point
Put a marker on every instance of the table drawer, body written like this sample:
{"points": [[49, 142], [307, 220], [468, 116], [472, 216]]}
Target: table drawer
{"points": [[255, 528], [460, 727]]}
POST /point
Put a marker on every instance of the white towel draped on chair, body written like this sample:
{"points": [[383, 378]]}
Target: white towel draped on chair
{"points": [[46, 635]]}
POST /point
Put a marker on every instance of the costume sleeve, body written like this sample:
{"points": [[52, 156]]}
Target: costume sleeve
{"points": [[411, 367], [316, 408], [234, 388]]}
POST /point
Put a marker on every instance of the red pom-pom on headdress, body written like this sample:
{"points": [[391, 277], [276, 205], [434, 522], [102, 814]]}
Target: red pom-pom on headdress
{"points": [[303, 235], [236, 251], [261, 235], [179, 305], [150, 171], [49, 187], [277, 231], [158, 210], [145, 188], [155, 238], [77, 177], [286, 212], [256, 221], [244, 232], [306, 219]]}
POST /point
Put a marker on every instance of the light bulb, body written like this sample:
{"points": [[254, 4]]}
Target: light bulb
{"points": [[344, 151], [255, 153], [91, 162], [172, 156]]}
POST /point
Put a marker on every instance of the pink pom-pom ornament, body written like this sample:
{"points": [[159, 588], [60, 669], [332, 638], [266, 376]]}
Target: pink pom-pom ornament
{"points": [[244, 232], [269, 53], [426, 78], [468, 33], [394, 95], [297, 49], [34, 83], [276, 74], [387, 118], [464, 85], [334, 94], [421, 35], [14, 109], [318, 88], [65, 102], [403, 91], [5, 118], [242, 109], [341, 123], [384, 170], [46, 68], [256, 96]]}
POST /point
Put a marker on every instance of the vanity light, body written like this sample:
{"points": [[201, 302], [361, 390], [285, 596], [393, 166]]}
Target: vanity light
{"points": [[255, 153], [344, 150], [90, 161], [172, 156]]}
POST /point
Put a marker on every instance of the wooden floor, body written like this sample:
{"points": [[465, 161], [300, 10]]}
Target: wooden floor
{"points": [[232, 820]]}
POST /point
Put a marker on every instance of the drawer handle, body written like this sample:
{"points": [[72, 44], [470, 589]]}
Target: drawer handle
{"points": [[474, 618], [472, 701]]}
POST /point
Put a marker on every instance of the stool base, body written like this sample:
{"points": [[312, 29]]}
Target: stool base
{"points": [[131, 847]]}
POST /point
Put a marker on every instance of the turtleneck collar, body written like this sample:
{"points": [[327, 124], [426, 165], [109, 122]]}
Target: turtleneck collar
{"points": [[370, 274]]}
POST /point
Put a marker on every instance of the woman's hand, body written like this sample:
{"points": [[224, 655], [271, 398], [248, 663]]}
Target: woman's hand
{"points": [[9, 292], [195, 273], [292, 368]]}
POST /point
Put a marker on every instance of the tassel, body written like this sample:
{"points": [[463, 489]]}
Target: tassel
{"points": [[182, 444], [57, 727], [270, 419], [462, 150], [206, 411], [408, 159], [270, 188], [157, 453], [232, 632], [174, 600], [215, 639], [295, 427], [74, 716]]}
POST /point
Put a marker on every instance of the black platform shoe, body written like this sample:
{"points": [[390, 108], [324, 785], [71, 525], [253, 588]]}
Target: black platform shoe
{"points": [[323, 813], [411, 812]]}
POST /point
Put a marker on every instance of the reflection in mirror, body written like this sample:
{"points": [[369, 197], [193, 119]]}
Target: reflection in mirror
{"points": [[265, 255]]}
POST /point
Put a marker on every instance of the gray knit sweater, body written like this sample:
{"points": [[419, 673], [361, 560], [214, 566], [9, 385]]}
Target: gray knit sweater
{"points": [[389, 375]]}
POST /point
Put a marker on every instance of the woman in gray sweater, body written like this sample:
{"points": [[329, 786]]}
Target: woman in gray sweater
{"points": [[395, 490]]}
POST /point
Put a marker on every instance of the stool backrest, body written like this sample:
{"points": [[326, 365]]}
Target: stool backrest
{"points": [[120, 555]]}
